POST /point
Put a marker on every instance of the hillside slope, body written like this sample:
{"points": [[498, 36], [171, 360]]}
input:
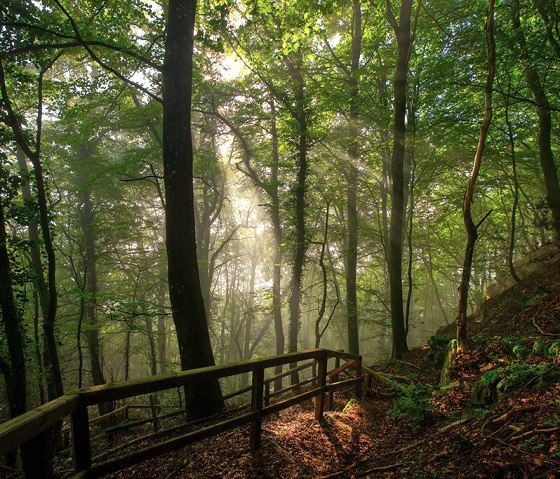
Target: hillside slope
{"points": [[498, 417]]}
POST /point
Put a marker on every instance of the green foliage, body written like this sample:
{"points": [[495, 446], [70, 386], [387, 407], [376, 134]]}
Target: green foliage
{"points": [[527, 302], [413, 405], [482, 412], [530, 347], [516, 347], [505, 380], [349, 404]]}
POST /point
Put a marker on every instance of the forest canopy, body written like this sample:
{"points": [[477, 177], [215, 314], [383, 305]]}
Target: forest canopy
{"points": [[275, 176]]}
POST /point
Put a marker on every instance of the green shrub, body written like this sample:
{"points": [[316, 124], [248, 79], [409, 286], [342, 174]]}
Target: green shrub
{"points": [[514, 377], [413, 404]]}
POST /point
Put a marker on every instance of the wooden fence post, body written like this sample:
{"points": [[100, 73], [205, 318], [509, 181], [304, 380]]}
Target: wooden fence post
{"points": [[256, 406], [334, 379], [359, 375], [38, 454], [153, 408], [321, 382], [81, 444], [267, 394]]}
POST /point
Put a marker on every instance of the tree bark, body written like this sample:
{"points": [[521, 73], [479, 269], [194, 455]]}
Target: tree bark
{"points": [[51, 362], [41, 291], [185, 293], [299, 190], [352, 183], [470, 227], [278, 252], [404, 43], [15, 372], [550, 172]]}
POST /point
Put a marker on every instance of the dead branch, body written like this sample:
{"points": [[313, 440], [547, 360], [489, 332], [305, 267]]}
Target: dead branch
{"points": [[533, 432], [504, 417], [539, 329], [437, 433], [346, 470], [381, 468]]}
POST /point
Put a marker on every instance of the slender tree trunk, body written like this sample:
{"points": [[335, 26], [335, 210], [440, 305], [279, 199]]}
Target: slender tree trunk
{"points": [[278, 251], [511, 251], [404, 43], [185, 293], [152, 345], [15, 372], [162, 345], [51, 361], [550, 171], [90, 287], [352, 183], [470, 227], [127, 339], [299, 247], [41, 290], [249, 312]]}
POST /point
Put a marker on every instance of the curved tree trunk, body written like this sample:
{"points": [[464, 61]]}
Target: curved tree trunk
{"points": [[470, 227]]}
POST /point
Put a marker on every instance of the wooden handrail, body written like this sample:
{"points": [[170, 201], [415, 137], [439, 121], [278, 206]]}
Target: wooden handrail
{"points": [[22, 428], [33, 423]]}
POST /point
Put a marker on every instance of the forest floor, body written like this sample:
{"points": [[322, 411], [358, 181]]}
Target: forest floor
{"points": [[498, 417]]}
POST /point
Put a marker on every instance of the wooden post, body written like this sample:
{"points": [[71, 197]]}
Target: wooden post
{"points": [[321, 380], [38, 454], [334, 379], [256, 406], [81, 444], [153, 407], [267, 394], [359, 375]]}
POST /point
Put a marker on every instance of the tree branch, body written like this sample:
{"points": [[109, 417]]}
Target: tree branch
{"points": [[100, 62]]}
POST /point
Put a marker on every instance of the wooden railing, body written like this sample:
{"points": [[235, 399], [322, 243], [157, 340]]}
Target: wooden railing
{"points": [[36, 426]]}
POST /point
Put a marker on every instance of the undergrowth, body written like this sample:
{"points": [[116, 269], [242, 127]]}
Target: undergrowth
{"points": [[413, 404]]}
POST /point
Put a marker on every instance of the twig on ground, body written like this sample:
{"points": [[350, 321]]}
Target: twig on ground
{"points": [[346, 470], [540, 330], [534, 431], [437, 433], [381, 468]]}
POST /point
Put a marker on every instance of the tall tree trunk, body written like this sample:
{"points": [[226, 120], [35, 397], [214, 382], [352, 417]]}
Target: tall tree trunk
{"points": [[51, 361], [278, 252], [470, 227], [352, 183], [404, 43], [90, 287], [249, 311], [550, 171], [511, 138], [41, 290], [299, 189], [14, 372], [185, 293], [161, 342]]}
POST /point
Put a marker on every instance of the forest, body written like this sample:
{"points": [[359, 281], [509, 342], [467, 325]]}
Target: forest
{"points": [[186, 184]]}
